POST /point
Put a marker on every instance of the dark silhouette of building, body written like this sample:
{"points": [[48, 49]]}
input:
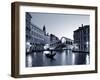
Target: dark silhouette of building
{"points": [[82, 38]]}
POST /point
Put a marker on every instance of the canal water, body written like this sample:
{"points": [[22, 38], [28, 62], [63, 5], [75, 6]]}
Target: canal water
{"points": [[65, 57]]}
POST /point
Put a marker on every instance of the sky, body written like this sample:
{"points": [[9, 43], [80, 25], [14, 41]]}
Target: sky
{"points": [[60, 24]]}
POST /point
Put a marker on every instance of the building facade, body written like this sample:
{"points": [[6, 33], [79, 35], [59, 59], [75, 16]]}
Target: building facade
{"points": [[28, 27], [54, 41], [37, 35], [34, 35], [82, 38]]}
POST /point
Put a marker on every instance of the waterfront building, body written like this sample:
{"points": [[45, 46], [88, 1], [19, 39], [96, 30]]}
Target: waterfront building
{"points": [[36, 36], [82, 38], [28, 28], [54, 40]]}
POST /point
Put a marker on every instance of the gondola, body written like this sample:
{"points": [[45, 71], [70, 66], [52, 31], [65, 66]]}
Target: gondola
{"points": [[50, 55]]}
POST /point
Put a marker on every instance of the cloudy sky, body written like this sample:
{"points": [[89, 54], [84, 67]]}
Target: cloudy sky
{"points": [[60, 24]]}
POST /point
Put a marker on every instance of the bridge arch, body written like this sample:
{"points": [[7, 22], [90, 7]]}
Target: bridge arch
{"points": [[63, 39], [66, 40]]}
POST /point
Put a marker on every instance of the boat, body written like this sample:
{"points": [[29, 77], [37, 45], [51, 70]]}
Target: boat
{"points": [[49, 51], [49, 55]]}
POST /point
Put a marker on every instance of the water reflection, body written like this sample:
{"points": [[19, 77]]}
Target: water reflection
{"points": [[65, 57], [87, 59], [29, 61]]}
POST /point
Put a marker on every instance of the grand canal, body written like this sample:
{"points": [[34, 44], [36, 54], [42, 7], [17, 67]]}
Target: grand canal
{"points": [[65, 57]]}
